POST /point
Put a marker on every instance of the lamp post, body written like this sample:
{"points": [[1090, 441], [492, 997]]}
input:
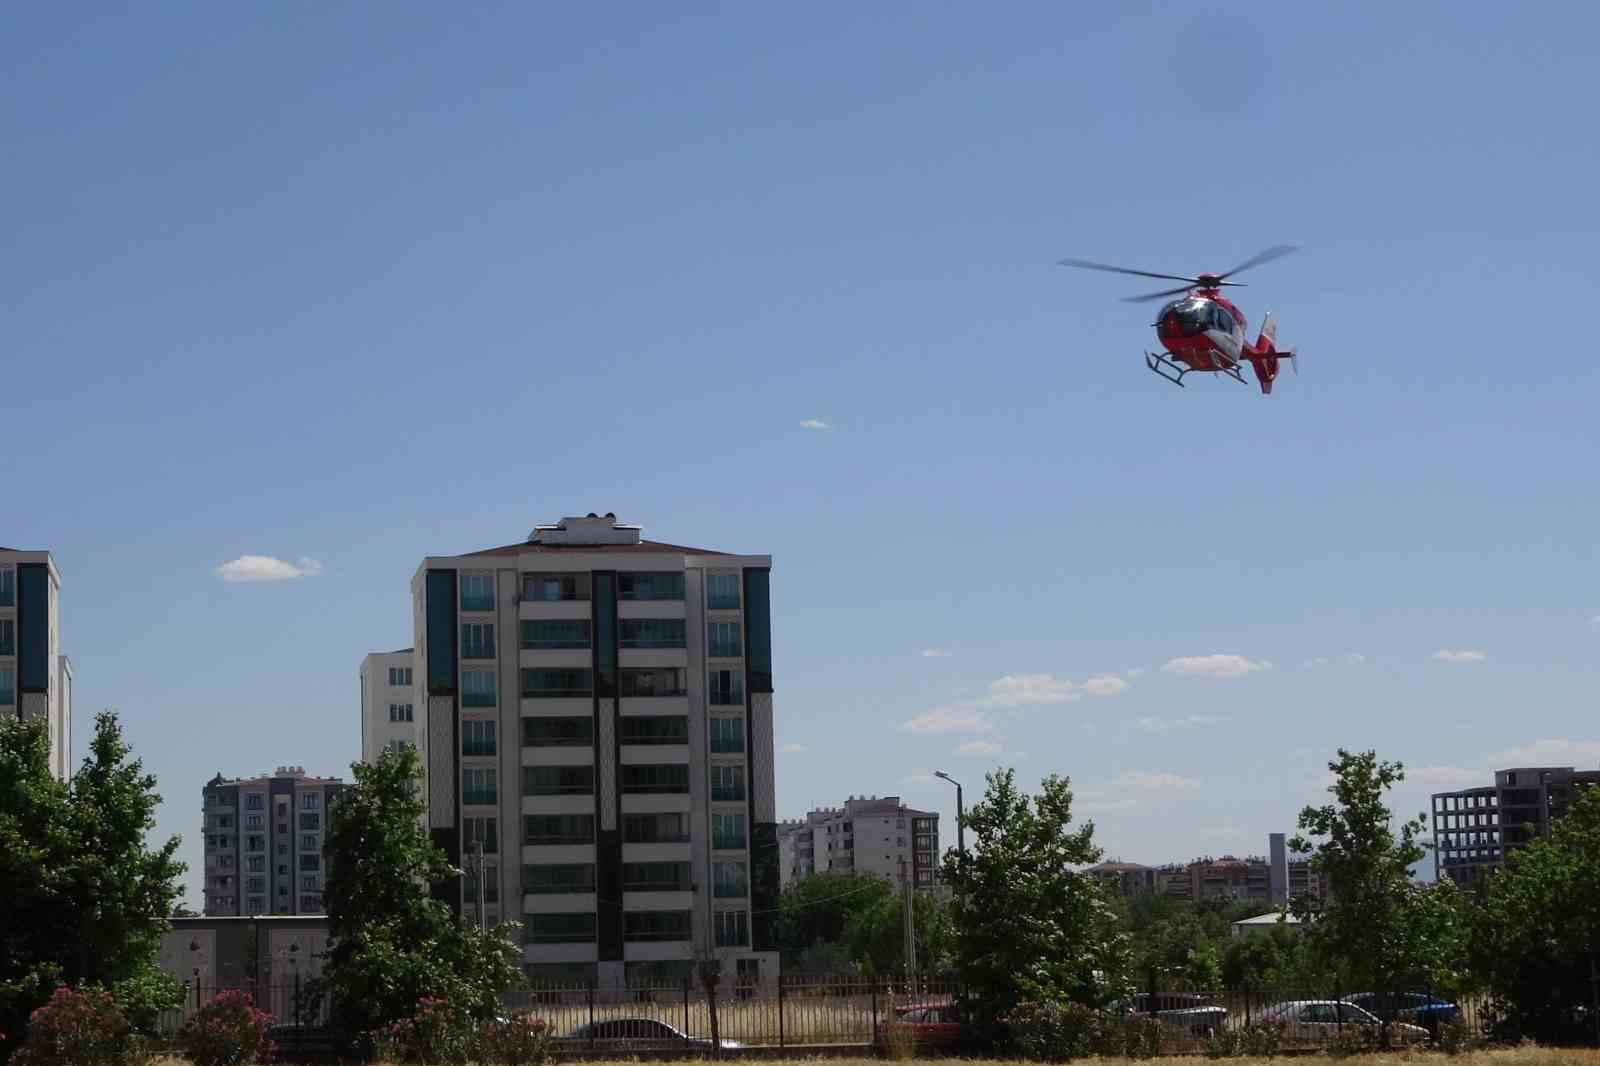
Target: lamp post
{"points": [[961, 830]]}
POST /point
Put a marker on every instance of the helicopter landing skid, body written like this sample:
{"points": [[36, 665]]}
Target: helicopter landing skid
{"points": [[1168, 370]]}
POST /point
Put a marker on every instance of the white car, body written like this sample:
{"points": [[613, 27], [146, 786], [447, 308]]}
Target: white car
{"points": [[1320, 1021]]}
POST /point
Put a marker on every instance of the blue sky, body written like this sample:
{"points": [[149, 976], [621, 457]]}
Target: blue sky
{"points": [[359, 283]]}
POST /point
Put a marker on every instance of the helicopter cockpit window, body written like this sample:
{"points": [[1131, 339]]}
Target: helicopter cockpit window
{"points": [[1221, 319], [1187, 318]]}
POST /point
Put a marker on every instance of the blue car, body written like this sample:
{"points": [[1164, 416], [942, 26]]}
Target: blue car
{"points": [[1418, 1008]]}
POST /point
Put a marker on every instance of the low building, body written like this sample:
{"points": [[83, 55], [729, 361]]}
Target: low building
{"points": [[1263, 923], [868, 834], [266, 953], [1476, 829], [263, 842]]}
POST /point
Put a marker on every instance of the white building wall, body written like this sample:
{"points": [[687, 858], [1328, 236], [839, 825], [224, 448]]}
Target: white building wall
{"points": [[379, 694]]}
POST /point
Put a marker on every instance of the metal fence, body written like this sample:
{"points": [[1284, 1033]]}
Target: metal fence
{"points": [[292, 1009]]}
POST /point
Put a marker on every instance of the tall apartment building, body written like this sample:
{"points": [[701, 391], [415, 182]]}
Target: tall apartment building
{"points": [[35, 678], [264, 842], [599, 721], [866, 835], [389, 704], [1476, 829]]}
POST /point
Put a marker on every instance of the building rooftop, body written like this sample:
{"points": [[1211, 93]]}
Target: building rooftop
{"points": [[1118, 868], [592, 533], [1264, 920]]}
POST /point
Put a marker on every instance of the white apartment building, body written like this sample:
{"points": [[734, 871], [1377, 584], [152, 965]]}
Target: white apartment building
{"points": [[599, 718], [35, 678], [389, 705], [264, 840], [867, 835]]}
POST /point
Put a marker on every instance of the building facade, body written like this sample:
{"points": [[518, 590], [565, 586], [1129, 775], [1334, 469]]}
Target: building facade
{"points": [[389, 705], [1272, 880], [867, 835], [599, 718], [35, 678], [1476, 829], [264, 838]]}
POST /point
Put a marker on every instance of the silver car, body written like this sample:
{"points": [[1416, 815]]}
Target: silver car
{"points": [[1319, 1021]]}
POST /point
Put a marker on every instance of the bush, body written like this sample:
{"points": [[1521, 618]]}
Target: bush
{"points": [[80, 1028], [520, 1040], [1061, 1032], [228, 1031], [145, 995], [436, 1034], [1257, 1041]]}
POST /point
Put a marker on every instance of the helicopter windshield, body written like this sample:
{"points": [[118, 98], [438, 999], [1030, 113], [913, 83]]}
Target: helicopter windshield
{"points": [[1192, 316]]}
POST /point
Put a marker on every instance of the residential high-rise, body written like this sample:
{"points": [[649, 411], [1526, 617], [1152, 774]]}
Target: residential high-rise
{"points": [[1476, 829], [866, 835], [35, 678], [389, 704], [599, 722], [264, 842]]}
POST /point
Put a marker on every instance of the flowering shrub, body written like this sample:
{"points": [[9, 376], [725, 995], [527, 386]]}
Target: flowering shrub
{"points": [[80, 1028], [437, 1033], [520, 1040], [228, 1031]]}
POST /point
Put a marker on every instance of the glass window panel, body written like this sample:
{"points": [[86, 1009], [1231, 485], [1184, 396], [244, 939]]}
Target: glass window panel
{"points": [[653, 729], [557, 684], [652, 633], [656, 681], [724, 640], [558, 732], [725, 688], [722, 592], [477, 688], [544, 634], [727, 736], [477, 592], [550, 880], [649, 586], [557, 780]]}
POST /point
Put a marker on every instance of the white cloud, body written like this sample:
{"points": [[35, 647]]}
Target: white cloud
{"points": [[1030, 690], [815, 423], [1351, 658], [979, 747], [1214, 665], [1175, 725], [793, 749], [1146, 782], [1445, 776], [1105, 685], [1459, 655], [249, 568], [948, 720], [933, 653], [1550, 753]]}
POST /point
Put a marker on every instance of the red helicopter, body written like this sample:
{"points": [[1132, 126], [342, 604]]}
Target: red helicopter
{"points": [[1204, 331]]}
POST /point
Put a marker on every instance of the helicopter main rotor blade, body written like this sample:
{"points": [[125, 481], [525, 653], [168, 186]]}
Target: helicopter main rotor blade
{"points": [[1147, 297], [1089, 265], [1267, 256]]}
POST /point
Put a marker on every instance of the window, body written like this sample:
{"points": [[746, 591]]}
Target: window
{"points": [[547, 588], [8, 587], [477, 688], [8, 687], [671, 777], [310, 883], [400, 676], [727, 783], [400, 712], [733, 928], [253, 801], [543, 634], [256, 864], [727, 831], [256, 905], [722, 592], [478, 786], [558, 928], [652, 633], [655, 925], [310, 904], [252, 821], [310, 800], [255, 884], [558, 780], [477, 738], [477, 592], [723, 640], [655, 877], [653, 729], [255, 843], [552, 880], [308, 842], [557, 684], [311, 821], [399, 745], [668, 828], [558, 829], [477, 640], [283, 849], [558, 732], [642, 586], [657, 681], [730, 880], [311, 862], [727, 736], [480, 831], [8, 637], [725, 688]]}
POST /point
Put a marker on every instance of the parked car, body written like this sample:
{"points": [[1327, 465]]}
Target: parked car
{"points": [[926, 1024], [1318, 1021], [621, 1034], [1189, 1014], [1418, 1008]]}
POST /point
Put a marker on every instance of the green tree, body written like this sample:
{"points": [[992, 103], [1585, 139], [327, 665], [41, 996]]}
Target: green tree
{"points": [[1536, 937], [86, 901], [1176, 949], [1029, 928], [877, 940], [395, 945], [816, 913], [1380, 931], [1252, 962]]}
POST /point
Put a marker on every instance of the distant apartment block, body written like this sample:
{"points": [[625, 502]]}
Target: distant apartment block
{"points": [[35, 678], [1228, 877], [389, 705], [598, 711], [264, 836], [867, 835], [1475, 830]]}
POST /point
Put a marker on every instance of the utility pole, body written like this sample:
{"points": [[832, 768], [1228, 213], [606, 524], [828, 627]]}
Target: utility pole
{"points": [[477, 879], [908, 921]]}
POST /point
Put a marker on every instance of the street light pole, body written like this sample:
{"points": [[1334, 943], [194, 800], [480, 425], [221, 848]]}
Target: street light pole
{"points": [[961, 829]]}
